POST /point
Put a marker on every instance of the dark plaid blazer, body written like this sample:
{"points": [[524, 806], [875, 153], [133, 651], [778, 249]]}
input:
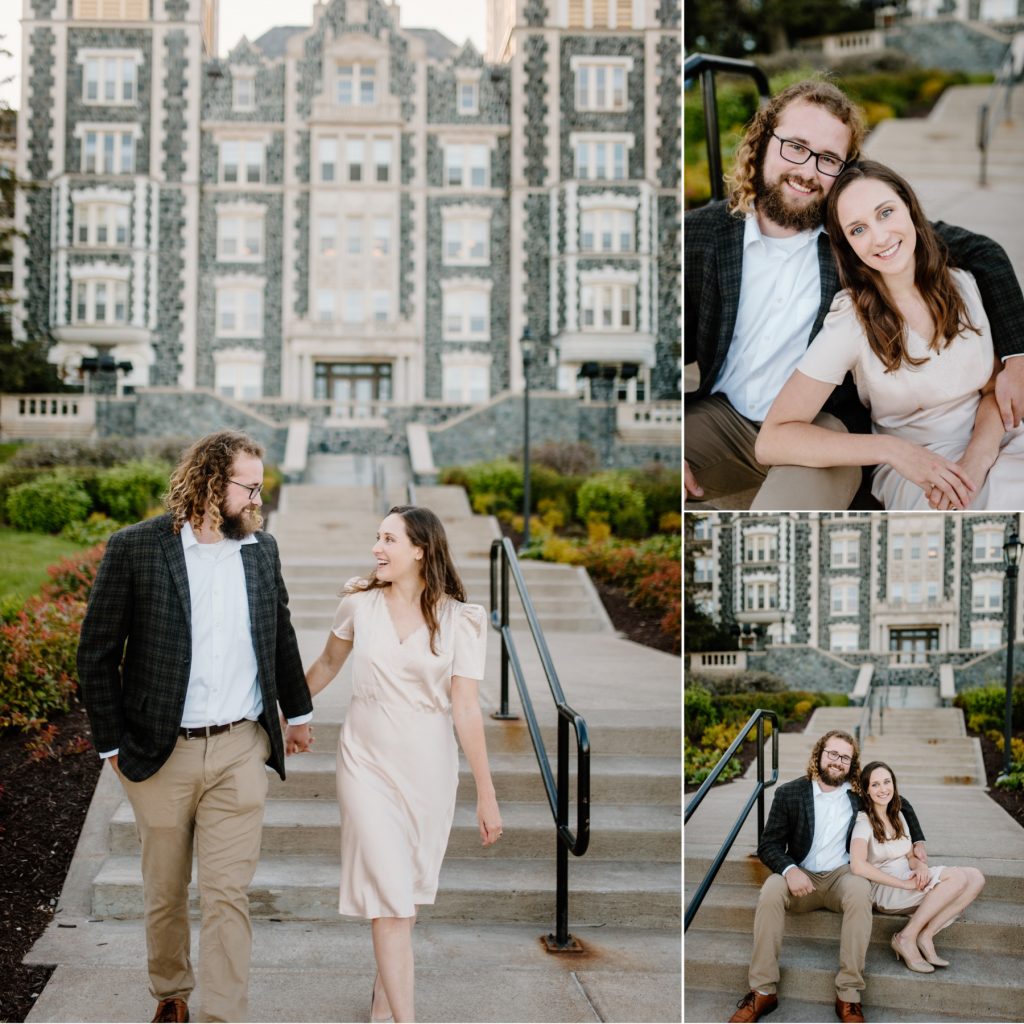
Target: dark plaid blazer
{"points": [[789, 831], [713, 264], [135, 649]]}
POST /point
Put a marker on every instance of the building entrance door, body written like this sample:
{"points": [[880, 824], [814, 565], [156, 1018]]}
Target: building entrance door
{"points": [[911, 646]]}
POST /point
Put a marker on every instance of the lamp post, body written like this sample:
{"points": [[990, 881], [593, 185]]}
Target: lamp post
{"points": [[1011, 557], [526, 346]]}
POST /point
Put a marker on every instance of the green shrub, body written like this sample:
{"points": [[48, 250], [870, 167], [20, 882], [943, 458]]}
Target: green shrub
{"points": [[611, 498], [37, 651], [720, 684], [48, 504], [547, 485], [738, 707], [128, 492], [699, 763], [51, 454], [988, 703], [493, 486], [15, 476], [94, 530], [662, 489], [699, 712]]}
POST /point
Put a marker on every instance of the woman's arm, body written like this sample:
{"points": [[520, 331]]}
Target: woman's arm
{"points": [[469, 725], [860, 865], [328, 664], [788, 437]]}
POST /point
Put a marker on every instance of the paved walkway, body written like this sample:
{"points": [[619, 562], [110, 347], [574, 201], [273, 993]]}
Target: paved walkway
{"points": [[320, 970]]}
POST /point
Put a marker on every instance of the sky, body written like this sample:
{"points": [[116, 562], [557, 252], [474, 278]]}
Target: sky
{"points": [[457, 19]]}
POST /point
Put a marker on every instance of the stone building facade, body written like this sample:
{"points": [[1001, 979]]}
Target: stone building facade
{"points": [[913, 587], [353, 220]]}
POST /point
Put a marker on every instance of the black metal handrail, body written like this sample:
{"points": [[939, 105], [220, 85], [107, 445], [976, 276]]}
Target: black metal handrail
{"points": [[757, 796], [704, 66], [505, 564], [1005, 78]]}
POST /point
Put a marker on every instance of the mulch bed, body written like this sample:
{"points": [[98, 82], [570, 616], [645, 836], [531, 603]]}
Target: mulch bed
{"points": [[43, 803], [1011, 800]]}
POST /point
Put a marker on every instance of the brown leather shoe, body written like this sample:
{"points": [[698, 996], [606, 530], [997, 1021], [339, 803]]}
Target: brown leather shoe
{"points": [[753, 1006], [172, 1011], [849, 1013]]}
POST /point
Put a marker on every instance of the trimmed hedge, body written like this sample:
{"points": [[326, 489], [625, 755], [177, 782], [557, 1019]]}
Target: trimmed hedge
{"points": [[48, 504]]}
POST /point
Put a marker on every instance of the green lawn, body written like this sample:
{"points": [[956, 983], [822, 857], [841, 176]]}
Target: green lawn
{"points": [[24, 558]]}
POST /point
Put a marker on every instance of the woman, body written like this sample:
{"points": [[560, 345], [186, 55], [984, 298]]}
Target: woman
{"points": [[914, 334], [419, 654], [880, 851]]}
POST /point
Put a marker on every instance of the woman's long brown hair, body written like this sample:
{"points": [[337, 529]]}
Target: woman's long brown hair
{"points": [[881, 319], [440, 578], [892, 812]]}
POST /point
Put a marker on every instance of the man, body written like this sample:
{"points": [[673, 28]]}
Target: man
{"points": [[806, 843], [186, 650], [760, 279]]}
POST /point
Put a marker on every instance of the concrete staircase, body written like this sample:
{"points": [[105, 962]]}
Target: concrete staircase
{"points": [[938, 768], [492, 905]]}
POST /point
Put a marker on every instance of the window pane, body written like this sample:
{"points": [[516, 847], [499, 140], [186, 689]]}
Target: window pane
{"points": [[229, 152], [121, 224], [128, 80], [101, 302], [344, 90], [619, 157], [121, 302], [355, 154], [366, 85], [382, 158], [328, 158], [582, 84], [381, 236], [92, 79], [110, 80], [108, 152], [127, 153], [354, 234]]}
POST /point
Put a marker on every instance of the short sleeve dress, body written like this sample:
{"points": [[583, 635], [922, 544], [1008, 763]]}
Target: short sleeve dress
{"points": [[398, 762], [891, 857], [933, 404]]}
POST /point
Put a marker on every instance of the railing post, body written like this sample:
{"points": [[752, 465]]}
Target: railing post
{"points": [[760, 778], [714, 146], [983, 141], [503, 713]]}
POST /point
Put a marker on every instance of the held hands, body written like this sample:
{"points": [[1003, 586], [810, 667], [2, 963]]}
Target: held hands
{"points": [[920, 877], [935, 475], [1010, 392], [976, 466], [798, 882], [488, 818], [298, 738]]}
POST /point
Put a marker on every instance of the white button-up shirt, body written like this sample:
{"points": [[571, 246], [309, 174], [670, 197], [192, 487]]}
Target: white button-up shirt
{"points": [[832, 813], [780, 292], [223, 685]]}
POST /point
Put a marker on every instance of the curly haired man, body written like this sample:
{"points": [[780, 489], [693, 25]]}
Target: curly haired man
{"points": [[186, 651], [806, 843]]}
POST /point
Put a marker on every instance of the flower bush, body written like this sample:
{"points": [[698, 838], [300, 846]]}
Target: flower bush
{"points": [[73, 577]]}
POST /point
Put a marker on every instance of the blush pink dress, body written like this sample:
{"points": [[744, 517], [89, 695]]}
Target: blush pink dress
{"points": [[933, 405], [398, 762]]}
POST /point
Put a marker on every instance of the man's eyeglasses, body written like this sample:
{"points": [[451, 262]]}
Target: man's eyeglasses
{"points": [[253, 490], [797, 153], [834, 755]]}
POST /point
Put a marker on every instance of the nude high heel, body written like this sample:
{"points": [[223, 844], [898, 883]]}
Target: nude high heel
{"points": [[920, 966], [935, 961], [377, 1020]]}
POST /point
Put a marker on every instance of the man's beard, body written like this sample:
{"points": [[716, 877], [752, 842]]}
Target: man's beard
{"points": [[774, 204], [832, 775], [239, 525]]}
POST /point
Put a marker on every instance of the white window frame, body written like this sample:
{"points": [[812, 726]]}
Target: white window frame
{"points": [[353, 306], [844, 550], [590, 73], [112, 10], [243, 89], [606, 227], [760, 595], [125, 65], [380, 305], [247, 148], [327, 232], [848, 637], [357, 74], [701, 528], [465, 377], [95, 149], [242, 299], [375, 149], [997, 535], [992, 635], [247, 218], [355, 228], [381, 237], [326, 302], [327, 159], [244, 368], [844, 597], [760, 546], [464, 229], [467, 92], [989, 589], [461, 165], [603, 304], [703, 569], [106, 214], [594, 153], [466, 309], [87, 293]]}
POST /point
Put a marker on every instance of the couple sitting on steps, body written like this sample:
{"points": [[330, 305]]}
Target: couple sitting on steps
{"points": [[841, 838]]}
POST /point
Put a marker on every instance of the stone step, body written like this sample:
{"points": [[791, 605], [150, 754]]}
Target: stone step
{"points": [[614, 780], [493, 889], [611, 733], [987, 924], [1003, 881], [311, 827], [985, 985]]}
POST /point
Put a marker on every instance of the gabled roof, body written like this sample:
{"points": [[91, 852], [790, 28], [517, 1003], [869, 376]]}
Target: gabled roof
{"points": [[439, 47], [274, 41]]}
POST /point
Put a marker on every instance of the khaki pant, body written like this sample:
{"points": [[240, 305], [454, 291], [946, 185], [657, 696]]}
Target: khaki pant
{"points": [[212, 791], [840, 891], [719, 447]]}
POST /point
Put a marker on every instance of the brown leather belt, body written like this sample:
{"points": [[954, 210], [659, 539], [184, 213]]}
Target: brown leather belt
{"points": [[210, 730]]}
